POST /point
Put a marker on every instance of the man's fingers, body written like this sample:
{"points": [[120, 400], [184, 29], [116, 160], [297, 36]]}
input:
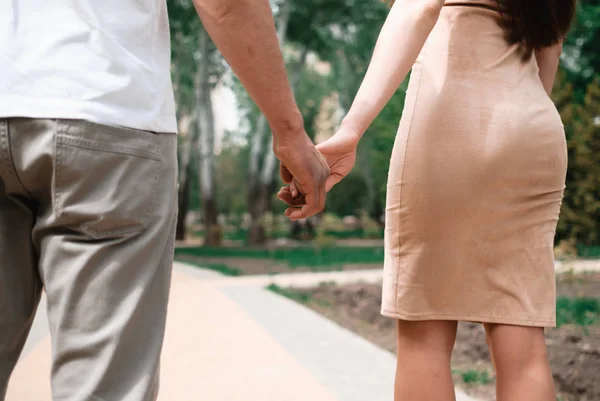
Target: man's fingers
{"points": [[286, 175]]}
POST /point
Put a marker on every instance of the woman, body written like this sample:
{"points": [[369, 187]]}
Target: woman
{"points": [[475, 184]]}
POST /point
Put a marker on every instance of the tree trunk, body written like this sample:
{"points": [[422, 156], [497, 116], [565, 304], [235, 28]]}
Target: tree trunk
{"points": [[364, 164], [261, 180], [256, 234], [188, 144], [206, 142], [184, 206], [269, 170]]}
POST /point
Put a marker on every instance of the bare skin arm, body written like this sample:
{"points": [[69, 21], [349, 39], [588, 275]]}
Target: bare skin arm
{"points": [[548, 60], [402, 38], [244, 32]]}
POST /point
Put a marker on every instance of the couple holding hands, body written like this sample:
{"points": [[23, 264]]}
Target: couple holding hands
{"points": [[88, 180]]}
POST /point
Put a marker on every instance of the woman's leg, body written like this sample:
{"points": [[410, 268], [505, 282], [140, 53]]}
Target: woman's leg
{"points": [[522, 369], [423, 370]]}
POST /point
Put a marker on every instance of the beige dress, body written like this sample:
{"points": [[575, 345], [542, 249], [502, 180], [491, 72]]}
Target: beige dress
{"points": [[476, 181]]}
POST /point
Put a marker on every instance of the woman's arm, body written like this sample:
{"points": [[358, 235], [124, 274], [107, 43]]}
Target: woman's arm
{"points": [[548, 60], [401, 39]]}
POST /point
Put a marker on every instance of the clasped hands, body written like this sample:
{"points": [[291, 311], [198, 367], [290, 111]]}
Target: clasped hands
{"points": [[310, 172]]}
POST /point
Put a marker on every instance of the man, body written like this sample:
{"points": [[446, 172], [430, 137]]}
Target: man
{"points": [[88, 177]]}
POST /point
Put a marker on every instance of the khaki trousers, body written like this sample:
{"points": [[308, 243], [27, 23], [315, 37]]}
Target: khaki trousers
{"points": [[88, 214]]}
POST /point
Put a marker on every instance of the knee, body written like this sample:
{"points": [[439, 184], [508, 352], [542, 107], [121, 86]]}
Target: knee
{"points": [[519, 351], [431, 337]]}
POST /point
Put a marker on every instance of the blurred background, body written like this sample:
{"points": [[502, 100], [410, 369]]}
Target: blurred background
{"points": [[231, 222]]}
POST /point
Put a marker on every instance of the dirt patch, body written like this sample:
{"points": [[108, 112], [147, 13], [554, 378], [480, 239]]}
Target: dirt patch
{"points": [[574, 351]]}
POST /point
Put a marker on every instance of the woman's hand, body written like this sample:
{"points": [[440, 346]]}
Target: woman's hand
{"points": [[340, 153]]}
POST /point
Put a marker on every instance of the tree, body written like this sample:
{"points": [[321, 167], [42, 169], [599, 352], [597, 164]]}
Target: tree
{"points": [[350, 54], [231, 165], [197, 67], [581, 56], [580, 215], [183, 23], [261, 176], [206, 128]]}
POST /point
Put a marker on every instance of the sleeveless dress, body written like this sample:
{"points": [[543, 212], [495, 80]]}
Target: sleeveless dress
{"points": [[476, 180]]}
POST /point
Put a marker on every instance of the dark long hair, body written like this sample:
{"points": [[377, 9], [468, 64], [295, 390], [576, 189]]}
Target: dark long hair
{"points": [[537, 23]]}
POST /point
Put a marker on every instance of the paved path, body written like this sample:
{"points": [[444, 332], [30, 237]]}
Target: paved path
{"points": [[231, 340]]}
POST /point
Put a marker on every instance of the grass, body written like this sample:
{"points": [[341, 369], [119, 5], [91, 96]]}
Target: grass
{"points": [[241, 234], [474, 377], [308, 256], [588, 252], [301, 297], [578, 311], [223, 269]]}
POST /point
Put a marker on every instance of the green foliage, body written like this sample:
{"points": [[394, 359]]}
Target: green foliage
{"points": [[217, 267], [229, 174], [223, 269], [580, 215], [476, 377], [343, 33], [578, 311], [581, 56], [293, 257], [380, 139], [348, 197], [588, 252], [185, 28], [312, 89], [302, 297]]}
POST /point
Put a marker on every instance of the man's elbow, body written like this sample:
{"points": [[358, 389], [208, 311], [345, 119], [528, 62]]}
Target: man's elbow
{"points": [[217, 10]]}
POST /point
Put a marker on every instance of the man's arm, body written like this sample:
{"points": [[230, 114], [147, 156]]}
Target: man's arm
{"points": [[244, 32]]}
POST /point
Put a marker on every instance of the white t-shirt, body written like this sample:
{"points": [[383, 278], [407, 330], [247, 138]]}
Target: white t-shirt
{"points": [[106, 61]]}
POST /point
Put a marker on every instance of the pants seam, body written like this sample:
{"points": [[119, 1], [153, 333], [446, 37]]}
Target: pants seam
{"points": [[7, 158]]}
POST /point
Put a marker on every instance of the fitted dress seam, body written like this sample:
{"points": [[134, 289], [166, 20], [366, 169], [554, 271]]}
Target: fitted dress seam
{"points": [[410, 124], [467, 318]]}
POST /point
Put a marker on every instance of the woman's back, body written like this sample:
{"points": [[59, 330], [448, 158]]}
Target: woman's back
{"points": [[473, 67], [476, 178], [475, 186]]}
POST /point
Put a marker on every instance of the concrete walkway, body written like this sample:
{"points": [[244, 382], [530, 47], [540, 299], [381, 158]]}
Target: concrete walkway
{"points": [[232, 340]]}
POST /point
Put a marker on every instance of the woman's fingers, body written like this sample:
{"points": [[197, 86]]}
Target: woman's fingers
{"points": [[285, 194], [286, 176], [315, 203]]}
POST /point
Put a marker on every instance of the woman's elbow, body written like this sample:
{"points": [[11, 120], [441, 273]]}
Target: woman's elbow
{"points": [[431, 8]]}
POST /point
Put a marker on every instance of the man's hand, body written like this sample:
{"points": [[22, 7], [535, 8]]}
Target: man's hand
{"points": [[306, 170], [244, 32], [339, 152]]}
